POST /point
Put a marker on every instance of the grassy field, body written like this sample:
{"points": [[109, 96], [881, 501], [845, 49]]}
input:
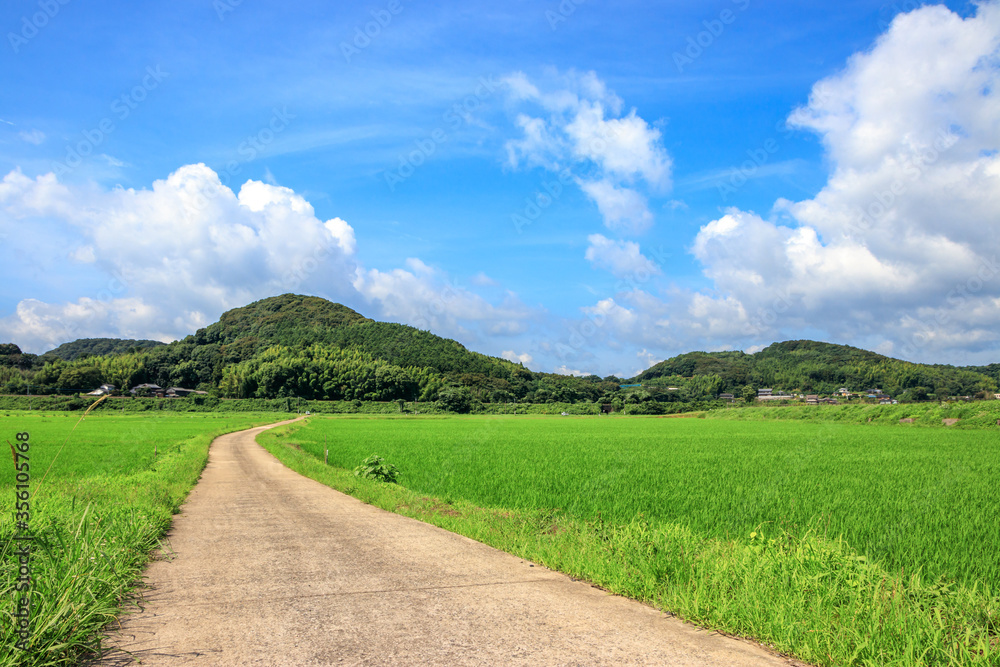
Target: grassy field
{"points": [[104, 491], [842, 543]]}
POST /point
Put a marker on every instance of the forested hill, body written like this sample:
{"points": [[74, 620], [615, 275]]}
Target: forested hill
{"points": [[308, 347], [289, 319], [95, 347], [288, 345], [823, 368]]}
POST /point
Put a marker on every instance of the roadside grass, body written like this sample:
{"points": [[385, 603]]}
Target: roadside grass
{"points": [[97, 513], [796, 586]]}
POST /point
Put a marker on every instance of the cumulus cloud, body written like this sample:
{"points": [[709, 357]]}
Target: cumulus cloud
{"points": [[900, 246], [483, 280], [36, 137], [511, 355], [623, 209], [164, 261], [621, 258], [176, 254], [581, 128], [566, 370], [424, 297]]}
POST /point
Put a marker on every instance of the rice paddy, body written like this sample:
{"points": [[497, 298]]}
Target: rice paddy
{"points": [[841, 543]]}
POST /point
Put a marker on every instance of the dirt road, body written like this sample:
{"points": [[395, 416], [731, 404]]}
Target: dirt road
{"points": [[272, 568]]}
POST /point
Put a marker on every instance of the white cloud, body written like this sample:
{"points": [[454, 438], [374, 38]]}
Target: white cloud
{"points": [[900, 247], [581, 126], [566, 370], [36, 137], [188, 245], [511, 355], [623, 209], [483, 280], [177, 255], [424, 298], [621, 258]]}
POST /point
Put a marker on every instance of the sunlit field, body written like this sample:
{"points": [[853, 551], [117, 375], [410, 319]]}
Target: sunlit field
{"points": [[816, 518]]}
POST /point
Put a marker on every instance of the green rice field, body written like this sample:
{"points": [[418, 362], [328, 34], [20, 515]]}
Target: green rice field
{"points": [[840, 543], [104, 491]]}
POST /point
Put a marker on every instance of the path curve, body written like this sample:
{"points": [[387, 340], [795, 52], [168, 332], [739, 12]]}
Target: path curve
{"points": [[273, 568]]}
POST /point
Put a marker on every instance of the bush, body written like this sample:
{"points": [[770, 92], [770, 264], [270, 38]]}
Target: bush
{"points": [[455, 399], [375, 467]]}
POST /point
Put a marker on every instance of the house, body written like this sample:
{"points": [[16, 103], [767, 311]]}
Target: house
{"points": [[607, 409], [153, 389], [843, 391], [103, 390], [812, 399], [729, 398], [996, 396], [769, 395]]}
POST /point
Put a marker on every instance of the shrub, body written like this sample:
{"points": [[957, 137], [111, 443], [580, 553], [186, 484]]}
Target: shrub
{"points": [[375, 467]]}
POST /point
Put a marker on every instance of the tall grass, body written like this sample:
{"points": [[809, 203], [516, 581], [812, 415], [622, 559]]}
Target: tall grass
{"points": [[842, 544], [102, 507]]}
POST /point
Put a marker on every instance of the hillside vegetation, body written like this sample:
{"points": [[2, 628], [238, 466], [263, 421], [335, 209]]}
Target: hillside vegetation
{"points": [[307, 347], [96, 347], [823, 368]]}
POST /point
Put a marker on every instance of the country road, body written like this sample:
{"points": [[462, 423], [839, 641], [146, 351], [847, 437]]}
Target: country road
{"points": [[271, 568]]}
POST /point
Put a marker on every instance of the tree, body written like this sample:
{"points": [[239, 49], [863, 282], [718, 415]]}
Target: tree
{"points": [[84, 378], [749, 394], [455, 399]]}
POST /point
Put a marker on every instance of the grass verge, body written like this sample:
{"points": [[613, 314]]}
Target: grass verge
{"points": [[102, 510], [801, 594]]}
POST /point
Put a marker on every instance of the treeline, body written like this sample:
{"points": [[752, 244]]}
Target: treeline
{"points": [[819, 368], [295, 346]]}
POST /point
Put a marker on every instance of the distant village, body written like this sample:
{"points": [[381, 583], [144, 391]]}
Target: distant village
{"points": [[148, 390], [843, 393]]}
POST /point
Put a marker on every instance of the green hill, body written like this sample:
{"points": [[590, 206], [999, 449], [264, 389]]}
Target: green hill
{"points": [[289, 319], [306, 346], [821, 368]]}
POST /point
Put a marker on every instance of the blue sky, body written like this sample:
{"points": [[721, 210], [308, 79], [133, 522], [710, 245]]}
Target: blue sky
{"points": [[582, 186]]}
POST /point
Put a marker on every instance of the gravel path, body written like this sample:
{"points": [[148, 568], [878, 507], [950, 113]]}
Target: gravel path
{"points": [[272, 568]]}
